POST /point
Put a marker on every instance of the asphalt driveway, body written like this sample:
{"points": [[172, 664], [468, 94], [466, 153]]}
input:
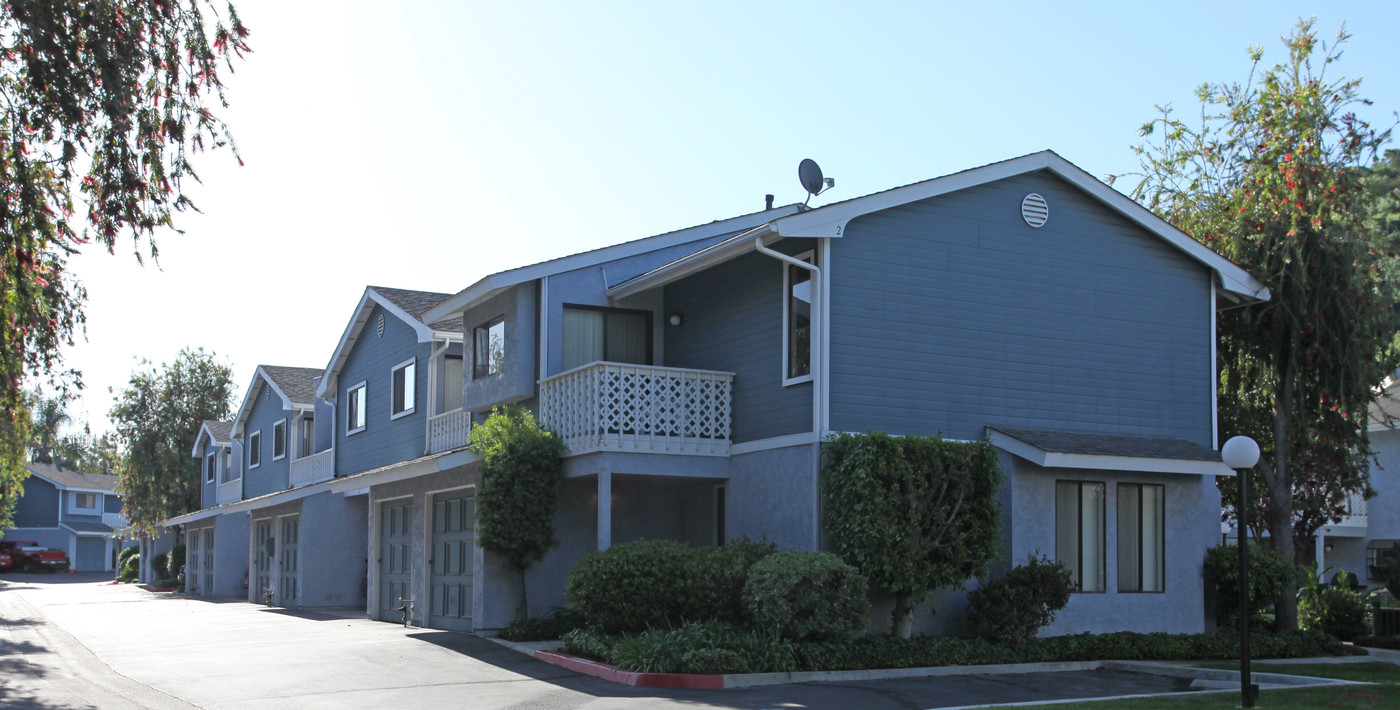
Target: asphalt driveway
{"points": [[73, 641]]}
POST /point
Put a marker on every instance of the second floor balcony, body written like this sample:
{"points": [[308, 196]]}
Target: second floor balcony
{"points": [[448, 430], [607, 406], [313, 469]]}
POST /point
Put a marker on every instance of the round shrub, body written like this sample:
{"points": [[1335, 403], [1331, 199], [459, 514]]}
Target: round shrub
{"points": [[131, 567], [806, 595], [1337, 612], [1269, 575], [177, 559], [721, 575], [160, 565], [1013, 609], [636, 585], [126, 554]]}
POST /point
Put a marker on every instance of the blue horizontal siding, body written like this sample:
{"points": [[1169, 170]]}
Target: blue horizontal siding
{"points": [[952, 314], [38, 507], [270, 476], [371, 360]]}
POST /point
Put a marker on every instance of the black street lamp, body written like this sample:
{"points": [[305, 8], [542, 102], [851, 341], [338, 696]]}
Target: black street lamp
{"points": [[1241, 453]]}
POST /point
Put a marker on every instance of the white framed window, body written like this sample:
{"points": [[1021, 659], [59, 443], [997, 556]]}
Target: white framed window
{"points": [[1079, 532], [797, 321], [490, 342], [211, 464], [355, 408], [1142, 549], [254, 450], [279, 440], [85, 503], [404, 379], [228, 473]]}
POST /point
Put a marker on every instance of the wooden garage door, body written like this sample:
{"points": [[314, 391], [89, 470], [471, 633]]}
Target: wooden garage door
{"points": [[395, 562], [453, 552]]}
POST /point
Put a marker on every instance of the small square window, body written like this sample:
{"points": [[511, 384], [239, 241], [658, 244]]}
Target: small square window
{"points": [[490, 342], [405, 383], [279, 440], [86, 501], [255, 449], [355, 408]]}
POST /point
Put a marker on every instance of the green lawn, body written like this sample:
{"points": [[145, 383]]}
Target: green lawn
{"points": [[1385, 695]]}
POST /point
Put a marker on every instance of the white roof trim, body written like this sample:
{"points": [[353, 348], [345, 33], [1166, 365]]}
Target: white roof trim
{"points": [[1049, 459], [87, 533], [246, 408], [203, 430], [404, 471], [357, 325], [831, 220], [492, 284], [193, 517], [272, 499]]}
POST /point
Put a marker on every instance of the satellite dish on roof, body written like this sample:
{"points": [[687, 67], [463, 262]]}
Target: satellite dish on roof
{"points": [[812, 181]]}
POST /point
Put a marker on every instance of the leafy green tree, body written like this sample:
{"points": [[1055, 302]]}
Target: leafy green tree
{"points": [[1271, 179], [157, 418], [521, 465], [90, 454], [104, 104], [912, 513]]}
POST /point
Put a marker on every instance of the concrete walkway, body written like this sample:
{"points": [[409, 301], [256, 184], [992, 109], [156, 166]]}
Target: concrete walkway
{"points": [[75, 641]]}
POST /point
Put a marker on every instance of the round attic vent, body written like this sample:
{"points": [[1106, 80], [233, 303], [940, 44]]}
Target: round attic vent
{"points": [[379, 326], [1034, 210]]}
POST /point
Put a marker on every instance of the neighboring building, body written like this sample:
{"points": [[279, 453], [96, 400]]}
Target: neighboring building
{"points": [[693, 376], [79, 513]]}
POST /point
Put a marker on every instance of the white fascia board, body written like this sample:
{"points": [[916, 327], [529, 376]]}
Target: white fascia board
{"points": [[277, 498], [246, 409], [192, 517], [85, 533], [103, 491], [730, 248], [403, 471], [1050, 459], [357, 326], [494, 283]]}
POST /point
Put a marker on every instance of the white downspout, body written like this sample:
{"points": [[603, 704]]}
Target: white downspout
{"points": [[818, 360]]}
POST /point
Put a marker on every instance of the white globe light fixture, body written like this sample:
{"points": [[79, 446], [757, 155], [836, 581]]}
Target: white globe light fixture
{"points": [[1241, 453]]}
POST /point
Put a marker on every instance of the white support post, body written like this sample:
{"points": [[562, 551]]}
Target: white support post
{"points": [[604, 510], [1319, 545]]}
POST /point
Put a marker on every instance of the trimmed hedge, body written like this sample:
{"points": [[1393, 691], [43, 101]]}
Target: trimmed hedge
{"points": [[759, 654], [806, 595], [1012, 610], [1269, 575]]}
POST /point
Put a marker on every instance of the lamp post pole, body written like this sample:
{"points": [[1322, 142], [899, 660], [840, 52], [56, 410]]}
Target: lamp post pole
{"points": [[1241, 453]]}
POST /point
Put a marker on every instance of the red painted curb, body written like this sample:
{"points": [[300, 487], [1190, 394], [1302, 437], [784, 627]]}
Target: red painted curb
{"points": [[643, 680]]}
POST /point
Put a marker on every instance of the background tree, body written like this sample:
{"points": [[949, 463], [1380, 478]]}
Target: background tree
{"points": [[85, 452], [105, 102], [157, 418], [521, 465], [912, 513], [1271, 180], [46, 416]]}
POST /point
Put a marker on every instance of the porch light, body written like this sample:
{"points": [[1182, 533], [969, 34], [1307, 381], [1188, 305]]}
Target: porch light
{"points": [[676, 319], [1241, 453]]}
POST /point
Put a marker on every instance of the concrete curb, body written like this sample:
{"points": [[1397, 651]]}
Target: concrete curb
{"points": [[1202, 678]]}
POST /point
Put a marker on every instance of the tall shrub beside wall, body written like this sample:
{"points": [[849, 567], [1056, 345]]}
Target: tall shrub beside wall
{"points": [[912, 513], [520, 471]]}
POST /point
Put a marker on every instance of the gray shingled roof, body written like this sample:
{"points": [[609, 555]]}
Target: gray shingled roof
{"points": [[87, 527], [416, 303], [1074, 442], [68, 478], [298, 383], [222, 431]]}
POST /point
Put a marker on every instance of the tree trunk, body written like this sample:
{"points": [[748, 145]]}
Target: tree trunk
{"points": [[903, 616], [1281, 499]]}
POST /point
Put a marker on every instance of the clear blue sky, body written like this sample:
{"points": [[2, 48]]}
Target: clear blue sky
{"points": [[426, 144]]}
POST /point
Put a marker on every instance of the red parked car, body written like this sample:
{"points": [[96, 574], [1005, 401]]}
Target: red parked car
{"points": [[29, 556], [5, 562]]}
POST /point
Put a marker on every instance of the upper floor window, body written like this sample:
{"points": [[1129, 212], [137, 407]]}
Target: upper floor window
{"points": [[308, 436], [85, 501], [451, 383], [255, 449], [405, 383], [279, 439], [597, 334], [355, 409], [797, 321], [1141, 537], [1079, 532], [490, 340], [229, 473], [211, 463]]}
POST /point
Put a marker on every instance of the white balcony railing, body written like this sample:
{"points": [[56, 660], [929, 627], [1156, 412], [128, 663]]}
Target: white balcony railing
{"points": [[1356, 512], [115, 521], [448, 430], [613, 407], [313, 469]]}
